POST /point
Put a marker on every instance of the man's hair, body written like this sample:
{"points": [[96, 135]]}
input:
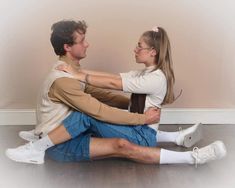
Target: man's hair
{"points": [[63, 33]]}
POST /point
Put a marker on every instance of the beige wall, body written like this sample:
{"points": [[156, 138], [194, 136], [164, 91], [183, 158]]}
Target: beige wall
{"points": [[202, 35]]}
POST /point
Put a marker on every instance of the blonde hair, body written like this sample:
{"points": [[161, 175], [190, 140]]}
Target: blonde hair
{"points": [[160, 42]]}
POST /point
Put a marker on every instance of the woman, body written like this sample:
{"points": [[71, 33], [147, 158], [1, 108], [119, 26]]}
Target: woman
{"points": [[150, 87]]}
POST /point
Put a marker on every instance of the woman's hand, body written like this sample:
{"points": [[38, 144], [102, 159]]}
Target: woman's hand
{"points": [[69, 69], [97, 79]]}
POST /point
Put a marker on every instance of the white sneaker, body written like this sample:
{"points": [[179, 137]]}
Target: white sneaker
{"points": [[26, 154], [214, 151], [190, 136], [28, 135]]}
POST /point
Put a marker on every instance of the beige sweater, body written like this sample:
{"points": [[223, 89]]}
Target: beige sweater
{"points": [[50, 114]]}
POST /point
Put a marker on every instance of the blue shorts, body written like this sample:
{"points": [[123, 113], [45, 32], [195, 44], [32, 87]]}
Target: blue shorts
{"points": [[76, 149], [81, 126]]}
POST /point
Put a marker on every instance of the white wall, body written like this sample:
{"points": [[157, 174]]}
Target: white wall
{"points": [[202, 36]]}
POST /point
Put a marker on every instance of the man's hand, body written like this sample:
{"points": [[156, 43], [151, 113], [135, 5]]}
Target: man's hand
{"points": [[152, 115]]}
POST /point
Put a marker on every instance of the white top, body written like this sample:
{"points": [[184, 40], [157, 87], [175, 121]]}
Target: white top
{"points": [[153, 84]]}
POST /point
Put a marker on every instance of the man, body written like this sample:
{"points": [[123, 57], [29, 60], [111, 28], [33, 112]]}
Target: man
{"points": [[61, 91]]}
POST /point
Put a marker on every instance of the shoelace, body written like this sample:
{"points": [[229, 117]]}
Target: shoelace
{"points": [[27, 146], [206, 153]]}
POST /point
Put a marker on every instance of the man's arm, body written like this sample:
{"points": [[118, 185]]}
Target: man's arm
{"points": [[108, 97], [67, 90]]}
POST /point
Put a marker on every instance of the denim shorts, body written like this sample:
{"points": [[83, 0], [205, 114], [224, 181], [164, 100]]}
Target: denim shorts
{"points": [[76, 149], [81, 126]]}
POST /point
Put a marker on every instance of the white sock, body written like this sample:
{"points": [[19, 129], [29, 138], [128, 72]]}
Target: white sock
{"points": [[174, 157], [43, 144], [167, 136]]}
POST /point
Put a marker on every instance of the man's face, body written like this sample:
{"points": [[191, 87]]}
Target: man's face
{"points": [[78, 50]]}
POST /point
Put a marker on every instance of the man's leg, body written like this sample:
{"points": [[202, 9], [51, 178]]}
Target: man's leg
{"points": [[78, 123]]}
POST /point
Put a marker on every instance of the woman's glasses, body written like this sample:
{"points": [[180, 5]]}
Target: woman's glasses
{"points": [[139, 48]]}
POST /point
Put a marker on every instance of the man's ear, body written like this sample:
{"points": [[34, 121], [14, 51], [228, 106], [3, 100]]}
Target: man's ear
{"points": [[67, 47]]}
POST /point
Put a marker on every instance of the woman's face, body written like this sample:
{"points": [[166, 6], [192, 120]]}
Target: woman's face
{"points": [[144, 53]]}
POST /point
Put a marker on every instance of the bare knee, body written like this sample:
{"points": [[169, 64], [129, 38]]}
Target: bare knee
{"points": [[126, 149], [123, 146], [122, 143]]}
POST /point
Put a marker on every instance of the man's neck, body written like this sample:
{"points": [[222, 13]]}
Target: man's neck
{"points": [[70, 61]]}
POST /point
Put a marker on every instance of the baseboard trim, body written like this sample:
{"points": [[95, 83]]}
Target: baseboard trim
{"points": [[17, 117], [193, 115], [168, 116]]}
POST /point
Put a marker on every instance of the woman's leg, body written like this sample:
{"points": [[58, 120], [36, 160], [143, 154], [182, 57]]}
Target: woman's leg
{"points": [[101, 148], [85, 148], [187, 137]]}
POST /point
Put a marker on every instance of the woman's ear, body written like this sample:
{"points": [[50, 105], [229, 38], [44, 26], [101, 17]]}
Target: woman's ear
{"points": [[153, 52]]}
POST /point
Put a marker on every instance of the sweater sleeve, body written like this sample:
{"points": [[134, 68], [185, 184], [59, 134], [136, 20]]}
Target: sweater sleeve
{"points": [[68, 91], [108, 97]]}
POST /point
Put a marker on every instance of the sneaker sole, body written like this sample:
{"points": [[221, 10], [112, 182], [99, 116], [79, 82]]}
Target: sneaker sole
{"points": [[24, 161], [192, 138]]}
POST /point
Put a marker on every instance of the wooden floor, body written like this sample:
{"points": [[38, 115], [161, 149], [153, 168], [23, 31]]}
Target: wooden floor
{"points": [[120, 173]]}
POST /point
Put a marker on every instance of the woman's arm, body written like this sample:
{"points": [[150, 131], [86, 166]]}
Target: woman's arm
{"points": [[98, 73], [94, 78], [106, 82]]}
